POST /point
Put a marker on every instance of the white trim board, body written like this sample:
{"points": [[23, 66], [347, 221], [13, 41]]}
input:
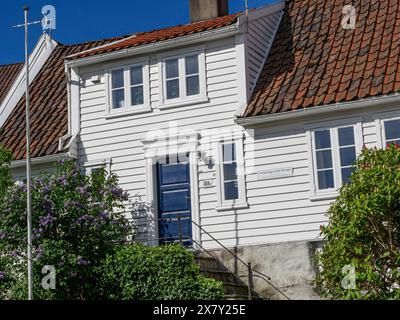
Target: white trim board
{"points": [[37, 59]]}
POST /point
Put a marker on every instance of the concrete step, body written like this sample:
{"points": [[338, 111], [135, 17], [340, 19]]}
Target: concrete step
{"points": [[234, 287], [224, 276], [208, 263]]}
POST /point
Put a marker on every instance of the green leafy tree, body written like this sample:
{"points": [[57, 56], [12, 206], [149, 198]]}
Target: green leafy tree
{"points": [[77, 221], [5, 178], [363, 234]]}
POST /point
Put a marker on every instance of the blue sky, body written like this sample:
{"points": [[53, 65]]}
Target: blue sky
{"points": [[84, 20]]}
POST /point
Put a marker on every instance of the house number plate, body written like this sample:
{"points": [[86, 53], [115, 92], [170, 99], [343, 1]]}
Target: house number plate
{"points": [[274, 174]]}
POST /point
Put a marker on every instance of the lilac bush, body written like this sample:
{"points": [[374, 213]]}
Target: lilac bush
{"points": [[77, 221]]}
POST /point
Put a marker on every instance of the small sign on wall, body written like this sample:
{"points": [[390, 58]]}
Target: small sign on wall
{"points": [[274, 174]]}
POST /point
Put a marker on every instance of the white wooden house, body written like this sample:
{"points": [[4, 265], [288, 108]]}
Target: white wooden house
{"points": [[244, 125]]}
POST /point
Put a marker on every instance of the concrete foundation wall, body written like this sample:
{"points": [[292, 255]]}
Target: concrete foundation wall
{"points": [[290, 265]]}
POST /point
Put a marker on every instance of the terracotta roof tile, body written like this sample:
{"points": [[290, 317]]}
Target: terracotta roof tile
{"points": [[8, 74], [314, 61], [143, 38], [49, 106]]}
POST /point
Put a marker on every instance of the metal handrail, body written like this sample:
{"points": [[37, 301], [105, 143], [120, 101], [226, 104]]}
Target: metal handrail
{"points": [[250, 270]]}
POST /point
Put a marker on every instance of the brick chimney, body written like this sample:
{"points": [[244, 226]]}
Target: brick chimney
{"points": [[207, 9]]}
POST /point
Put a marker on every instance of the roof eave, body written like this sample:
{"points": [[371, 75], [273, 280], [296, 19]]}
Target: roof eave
{"points": [[161, 45], [319, 110]]}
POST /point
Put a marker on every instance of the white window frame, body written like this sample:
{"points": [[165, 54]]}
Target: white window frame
{"points": [[184, 99], [128, 109], [97, 164], [333, 127], [380, 120], [241, 202]]}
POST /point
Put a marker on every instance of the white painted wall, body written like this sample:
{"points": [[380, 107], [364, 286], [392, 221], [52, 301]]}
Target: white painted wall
{"points": [[121, 138], [260, 34]]}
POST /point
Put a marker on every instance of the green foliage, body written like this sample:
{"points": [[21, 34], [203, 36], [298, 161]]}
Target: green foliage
{"points": [[169, 272], [364, 230], [5, 178], [77, 221]]}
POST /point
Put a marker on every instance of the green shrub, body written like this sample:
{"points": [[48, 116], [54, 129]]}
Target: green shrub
{"points": [[136, 272], [364, 231]]}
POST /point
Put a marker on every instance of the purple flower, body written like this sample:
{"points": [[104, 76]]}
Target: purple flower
{"points": [[3, 235], [14, 254], [117, 192], [104, 215], [80, 261], [2, 275], [47, 220]]}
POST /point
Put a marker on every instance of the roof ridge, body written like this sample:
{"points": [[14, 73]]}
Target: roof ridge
{"points": [[11, 64]]}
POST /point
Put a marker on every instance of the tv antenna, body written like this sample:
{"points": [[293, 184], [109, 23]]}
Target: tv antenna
{"points": [[48, 23]]}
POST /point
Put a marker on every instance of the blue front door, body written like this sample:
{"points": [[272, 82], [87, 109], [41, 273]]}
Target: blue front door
{"points": [[174, 205]]}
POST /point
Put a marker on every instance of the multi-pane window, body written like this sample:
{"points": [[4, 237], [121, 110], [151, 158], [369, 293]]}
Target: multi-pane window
{"points": [[118, 88], [192, 75], [230, 177], [182, 77], [323, 147], [172, 78], [348, 153], [128, 87], [335, 152], [137, 89], [392, 131], [231, 191]]}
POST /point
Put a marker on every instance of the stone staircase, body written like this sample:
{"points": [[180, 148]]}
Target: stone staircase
{"points": [[234, 288]]}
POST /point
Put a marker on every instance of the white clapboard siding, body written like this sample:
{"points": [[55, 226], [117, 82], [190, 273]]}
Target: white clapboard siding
{"points": [[259, 39], [280, 209]]}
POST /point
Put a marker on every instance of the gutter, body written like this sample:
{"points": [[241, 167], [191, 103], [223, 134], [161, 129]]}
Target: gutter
{"points": [[319, 110], [37, 161], [157, 46]]}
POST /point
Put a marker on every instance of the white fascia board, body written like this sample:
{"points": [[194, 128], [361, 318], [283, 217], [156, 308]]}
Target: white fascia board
{"points": [[158, 46], [37, 59], [39, 160], [266, 10], [321, 110]]}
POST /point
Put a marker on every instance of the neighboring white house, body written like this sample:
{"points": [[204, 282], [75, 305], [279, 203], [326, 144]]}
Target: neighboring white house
{"points": [[244, 126]]}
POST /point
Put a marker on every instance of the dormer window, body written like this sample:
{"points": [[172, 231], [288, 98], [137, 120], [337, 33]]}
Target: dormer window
{"points": [[183, 79], [128, 89]]}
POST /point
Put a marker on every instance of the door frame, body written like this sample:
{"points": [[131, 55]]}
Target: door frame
{"points": [[158, 148]]}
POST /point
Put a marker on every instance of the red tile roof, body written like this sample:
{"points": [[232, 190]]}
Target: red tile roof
{"points": [[8, 74], [143, 38], [49, 107], [314, 61]]}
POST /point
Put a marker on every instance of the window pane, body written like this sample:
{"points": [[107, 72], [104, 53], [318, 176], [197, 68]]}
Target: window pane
{"points": [[136, 75], [229, 152], [230, 171], [118, 98], [346, 136], [117, 77], [324, 159], [137, 96], [172, 89], [172, 68], [346, 173], [392, 129], [325, 180], [322, 139], [192, 65], [231, 190], [192, 85], [347, 156]]}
